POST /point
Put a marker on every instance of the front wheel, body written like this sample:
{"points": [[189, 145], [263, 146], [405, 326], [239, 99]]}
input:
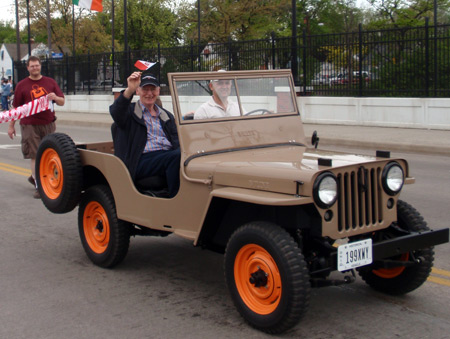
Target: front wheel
{"points": [[403, 279], [105, 238], [59, 173], [267, 277]]}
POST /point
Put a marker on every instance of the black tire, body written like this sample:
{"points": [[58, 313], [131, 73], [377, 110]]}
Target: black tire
{"points": [[59, 173], [267, 277], [105, 238], [402, 280]]}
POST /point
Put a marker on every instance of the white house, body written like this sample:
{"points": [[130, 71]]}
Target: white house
{"points": [[8, 53]]}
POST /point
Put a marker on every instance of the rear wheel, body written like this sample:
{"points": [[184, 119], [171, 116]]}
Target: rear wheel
{"points": [[267, 277], [58, 173], [403, 279], [105, 238]]}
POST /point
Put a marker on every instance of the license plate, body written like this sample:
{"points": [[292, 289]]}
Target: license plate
{"points": [[354, 254]]}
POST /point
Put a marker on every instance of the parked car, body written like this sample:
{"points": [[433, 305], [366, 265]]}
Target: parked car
{"points": [[344, 78], [320, 80], [284, 213], [364, 74], [339, 79]]}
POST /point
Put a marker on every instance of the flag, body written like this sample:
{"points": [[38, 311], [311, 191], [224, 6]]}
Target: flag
{"points": [[94, 5], [144, 65], [36, 106]]}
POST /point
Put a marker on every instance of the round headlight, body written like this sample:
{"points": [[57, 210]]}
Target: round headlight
{"points": [[325, 190], [393, 178]]}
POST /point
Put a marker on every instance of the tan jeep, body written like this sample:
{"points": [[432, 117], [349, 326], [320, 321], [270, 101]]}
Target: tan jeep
{"points": [[284, 214]]}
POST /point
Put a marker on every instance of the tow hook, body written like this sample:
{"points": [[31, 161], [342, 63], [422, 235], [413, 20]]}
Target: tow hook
{"points": [[322, 282]]}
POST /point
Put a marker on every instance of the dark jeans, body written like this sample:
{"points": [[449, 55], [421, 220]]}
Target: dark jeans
{"points": [[4, 102], [164, 163]]}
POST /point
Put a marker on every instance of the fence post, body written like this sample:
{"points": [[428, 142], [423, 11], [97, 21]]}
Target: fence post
{"points": [[304, 61], [73, 71], [89, 72], [105, 65], [67, 73], [159, 60], [360, 78], [427, 60], [229, 53], [273, 49], [192, 56], [47, 66], [128, 61], [113, 76], [199, 57], [435, 48], [294, 61]]}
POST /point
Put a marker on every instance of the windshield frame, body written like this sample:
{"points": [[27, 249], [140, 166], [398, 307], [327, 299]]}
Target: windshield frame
{"points": [[234, 76]]}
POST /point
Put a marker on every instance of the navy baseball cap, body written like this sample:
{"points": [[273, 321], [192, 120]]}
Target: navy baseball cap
{"points": [[149, 79]]}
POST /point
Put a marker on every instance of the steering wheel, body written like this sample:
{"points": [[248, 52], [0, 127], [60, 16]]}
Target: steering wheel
{"points": [[262, 110]]}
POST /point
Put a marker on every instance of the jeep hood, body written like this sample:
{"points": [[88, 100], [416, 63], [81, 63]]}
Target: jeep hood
{"points": [[275, 169]]}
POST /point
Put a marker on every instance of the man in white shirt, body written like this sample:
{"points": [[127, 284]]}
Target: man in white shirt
{"points": [[218, 106]]}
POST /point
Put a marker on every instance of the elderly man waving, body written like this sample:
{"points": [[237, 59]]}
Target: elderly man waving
{"points": [[146, 137]]}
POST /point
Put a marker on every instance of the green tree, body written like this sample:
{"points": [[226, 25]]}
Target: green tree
{"points": [[90, 34], [149, 22], [407, 13], [7, 33], [238, 20]]}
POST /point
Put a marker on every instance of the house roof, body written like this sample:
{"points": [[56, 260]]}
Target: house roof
{"points": [[12, 50]]}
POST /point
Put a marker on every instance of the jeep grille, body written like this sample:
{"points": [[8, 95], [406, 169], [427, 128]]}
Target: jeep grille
{"points": [[359, 203]]}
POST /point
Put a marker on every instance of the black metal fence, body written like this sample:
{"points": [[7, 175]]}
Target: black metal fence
{"points": [[404, 62]]}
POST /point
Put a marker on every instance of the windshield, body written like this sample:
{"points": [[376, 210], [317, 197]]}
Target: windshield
{"points": [[234, 98]]}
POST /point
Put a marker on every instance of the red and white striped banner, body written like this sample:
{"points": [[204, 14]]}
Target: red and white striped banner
{"points": [[33, 107]]}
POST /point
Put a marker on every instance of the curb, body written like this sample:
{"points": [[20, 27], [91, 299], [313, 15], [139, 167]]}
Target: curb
{"points": [[397, 147]]}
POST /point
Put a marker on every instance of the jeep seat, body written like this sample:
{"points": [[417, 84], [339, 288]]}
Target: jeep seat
{"points": [[155, 186]]}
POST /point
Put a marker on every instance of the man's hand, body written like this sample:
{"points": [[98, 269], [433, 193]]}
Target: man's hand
{"points": [[133, 82], [11, 131]]}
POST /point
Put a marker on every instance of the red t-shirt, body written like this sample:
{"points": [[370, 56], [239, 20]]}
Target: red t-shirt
{"points": [[27, 90]]}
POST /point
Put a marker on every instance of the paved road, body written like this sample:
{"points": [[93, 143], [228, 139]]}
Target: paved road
{"points": [[166, 288]]}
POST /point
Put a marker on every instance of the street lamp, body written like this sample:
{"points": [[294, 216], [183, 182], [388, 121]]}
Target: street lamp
{"points": [[198, 22], [294, 65], [28, 22]]}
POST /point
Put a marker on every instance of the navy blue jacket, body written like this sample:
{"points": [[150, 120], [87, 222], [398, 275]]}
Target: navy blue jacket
{"points": [[130, 132]]}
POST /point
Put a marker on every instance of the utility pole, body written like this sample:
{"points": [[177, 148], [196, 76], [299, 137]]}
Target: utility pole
{"points": [[17, 31], [294, 61], [28, 22], [436, 74], [73, 31], [198, 39], [112, 44], [49, 32], [125, 38]]}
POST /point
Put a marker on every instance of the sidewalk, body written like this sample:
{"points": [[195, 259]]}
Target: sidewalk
{"points": [[436, 142]]}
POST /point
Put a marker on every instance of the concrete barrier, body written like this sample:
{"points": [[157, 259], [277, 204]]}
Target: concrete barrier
{"points": [[424, 113]]}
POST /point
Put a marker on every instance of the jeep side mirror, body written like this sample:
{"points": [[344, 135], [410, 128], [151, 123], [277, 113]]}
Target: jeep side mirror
{"points": [[315, 139]]}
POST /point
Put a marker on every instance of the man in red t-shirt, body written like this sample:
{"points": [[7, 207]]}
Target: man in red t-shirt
{"points": [[34, 128]]}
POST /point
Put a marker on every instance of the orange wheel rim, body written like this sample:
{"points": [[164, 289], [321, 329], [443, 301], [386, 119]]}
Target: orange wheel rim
{"points": [[389, 273], [51, 174], [258, 279], [96, 227]]}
